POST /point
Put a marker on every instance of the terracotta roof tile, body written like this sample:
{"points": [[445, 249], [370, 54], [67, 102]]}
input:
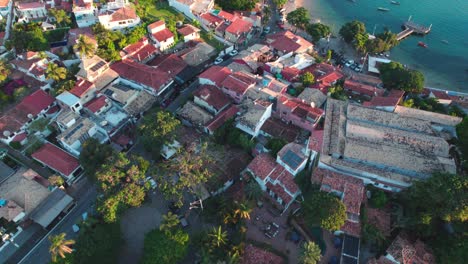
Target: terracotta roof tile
{"points": [[56, 159], [96, 104], [362, 88], [187, 30], [255, 255], [81, 87], [239, 26], [124, 13], [213, 96], [222, 117], [262, 165], [163, 35]]}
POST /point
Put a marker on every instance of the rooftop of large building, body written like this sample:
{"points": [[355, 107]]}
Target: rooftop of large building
{"points": [[399, 148]]}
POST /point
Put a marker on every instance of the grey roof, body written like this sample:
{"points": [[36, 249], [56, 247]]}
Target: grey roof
{"points": [[5, 171], [51, 207]]}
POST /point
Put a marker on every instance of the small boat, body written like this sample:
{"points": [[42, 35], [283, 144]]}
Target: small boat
{"points": [[444, 41], [383, 9], [422, 44], [395, 2]]}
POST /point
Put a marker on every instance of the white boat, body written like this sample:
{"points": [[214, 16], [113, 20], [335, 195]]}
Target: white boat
{"points": [[383, 9]]}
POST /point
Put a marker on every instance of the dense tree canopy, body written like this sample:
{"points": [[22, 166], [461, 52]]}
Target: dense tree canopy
{"points": [[190, 170], [318, 31], [60, 16], [325, 210], [85, 46], [395, 76], [28, 37], [4, 70], [156, 129], [307, 79], [352, 31], [310, 253], [163, 248], [280, 3], [235, 5], [462, 133], [299, 18], [275, 145], [121, 181], [93, 155]]}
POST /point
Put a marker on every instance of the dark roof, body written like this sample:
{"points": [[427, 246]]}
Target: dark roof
{"points": [[51, 207], [187, 74], [348, 260], [5, 171], [351, 246]]}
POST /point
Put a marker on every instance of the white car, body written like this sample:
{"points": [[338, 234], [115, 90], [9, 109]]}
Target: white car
{"points": [[233, 53], [152, 182], [349, 63], [218, 61]]}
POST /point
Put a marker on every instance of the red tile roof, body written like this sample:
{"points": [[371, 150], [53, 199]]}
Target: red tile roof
{"points": [[299, 108], [156, 24], [56, 159], [187, 30], [142, 74], [363, 89], [226, 15], [278, 190], [124, 13], [96, 104], [163, 35], [262, 165], [290, 73], [441, 94], [286, 41], [405, 252], [235, 85], [255, 255], [381, 219], [20, 137], [35, 102], [315, 140], [212, 96], [211, 19], [352, 228], [81, 87], [222, 117], [171, 64], [239, 26], [351, 188], [216, 74], [4, 3], [330, 77], [382, 101]]}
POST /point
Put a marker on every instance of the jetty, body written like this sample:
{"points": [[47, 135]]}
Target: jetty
{"points": [[411, 27]]}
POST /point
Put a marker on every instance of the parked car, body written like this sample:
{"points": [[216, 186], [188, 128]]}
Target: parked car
{"points": [[183, 222], [266, 30], [358, 68], [152, 182], [349, 63], [233, 52], [218, 61]]}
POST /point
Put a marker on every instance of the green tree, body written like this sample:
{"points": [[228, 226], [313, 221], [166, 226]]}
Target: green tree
{"points": [[242, 210], [5, 70], [156, 129], [191, 168], [136, 34], [318, 31], [325, 210], [170, 221], [93, 155], [408, 103], [59, 246], [235, 5], [329, 55], [337, 92], [462, 142], [218, 237], [85, 46], [443, 198], [307, 79], [310, 253], [352, 30], [60, 16], [395, 76], [64, 85], [56, 180], [275, 145], [379, 198], [299, 18], [280, 3], [253, 190], [162, 249], [56, 72]]}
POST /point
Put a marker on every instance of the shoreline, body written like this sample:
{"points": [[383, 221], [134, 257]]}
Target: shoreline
{"points": [[339, 45]]}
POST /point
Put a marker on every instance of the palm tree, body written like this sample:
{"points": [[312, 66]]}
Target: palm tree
{"points": [[60, 246], [219, 236], [311, 253], [253, 190], [243, 210], [170, 220], [84, 46], [55, 72]]}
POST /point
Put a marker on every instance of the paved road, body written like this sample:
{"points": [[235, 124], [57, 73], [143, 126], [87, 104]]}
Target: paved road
{"points": [[85, 200], [26, 161], [182, 98]]}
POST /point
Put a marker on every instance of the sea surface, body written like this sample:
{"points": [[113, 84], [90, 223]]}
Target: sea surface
{"points": [[444, 65]]}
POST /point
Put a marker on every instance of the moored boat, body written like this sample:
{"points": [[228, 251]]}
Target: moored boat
{"points": [[395, 2], [422, 44], [383, 9]]}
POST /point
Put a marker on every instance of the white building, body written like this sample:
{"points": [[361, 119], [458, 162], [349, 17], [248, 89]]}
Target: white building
{"points": [[160, 35], [253, 119], [192, 8], [32, 11], [5, 6], [85, 13], [73, 137], [189, 32], [119, 19]]}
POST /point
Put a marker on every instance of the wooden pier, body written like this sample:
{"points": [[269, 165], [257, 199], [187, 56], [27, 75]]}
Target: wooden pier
{"points": [[410, 27]]}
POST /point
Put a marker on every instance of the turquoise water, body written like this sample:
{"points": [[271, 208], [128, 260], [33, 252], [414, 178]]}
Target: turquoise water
{"points": [[444, 65]]}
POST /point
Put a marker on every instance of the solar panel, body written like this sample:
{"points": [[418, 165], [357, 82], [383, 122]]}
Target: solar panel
{"points": [[108, 92], [292, 159], [98, 66]]}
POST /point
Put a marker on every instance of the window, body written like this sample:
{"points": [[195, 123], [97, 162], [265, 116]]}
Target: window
{"points": [[77, 105]]}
